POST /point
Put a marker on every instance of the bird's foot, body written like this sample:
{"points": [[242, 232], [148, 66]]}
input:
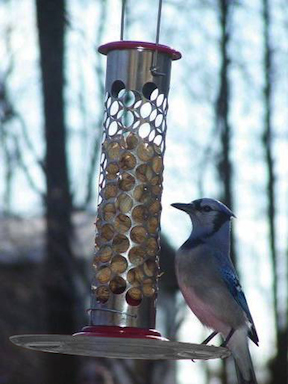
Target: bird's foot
{"points": [[226, 341], [209, 338]]}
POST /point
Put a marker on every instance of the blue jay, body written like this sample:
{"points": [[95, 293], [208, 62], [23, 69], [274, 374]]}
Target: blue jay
{"points": [[209, 283]]}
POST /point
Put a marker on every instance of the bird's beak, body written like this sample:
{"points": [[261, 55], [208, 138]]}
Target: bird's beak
{"points": [[184, 207]]}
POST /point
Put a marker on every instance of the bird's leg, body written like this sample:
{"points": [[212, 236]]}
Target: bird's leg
{"points": [[210, 337], [230, 334]]}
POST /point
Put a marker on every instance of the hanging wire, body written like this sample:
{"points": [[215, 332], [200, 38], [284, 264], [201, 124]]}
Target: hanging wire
{"points": [[158, 21], [154, 65], [122, 19]]}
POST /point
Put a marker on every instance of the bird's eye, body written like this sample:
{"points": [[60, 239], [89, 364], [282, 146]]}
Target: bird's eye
{"points": [[206, 208]]}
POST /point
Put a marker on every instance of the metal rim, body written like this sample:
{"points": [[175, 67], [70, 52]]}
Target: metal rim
{"points": [[141, 45]]}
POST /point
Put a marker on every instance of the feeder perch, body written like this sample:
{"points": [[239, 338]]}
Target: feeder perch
{"points": [[124, 288]]}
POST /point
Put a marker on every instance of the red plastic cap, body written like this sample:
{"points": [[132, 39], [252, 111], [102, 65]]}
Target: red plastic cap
{"points": [[115, 331], [141, 45]]}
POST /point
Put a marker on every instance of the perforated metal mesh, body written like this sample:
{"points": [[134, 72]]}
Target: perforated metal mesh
{"points": [[128, 219]]}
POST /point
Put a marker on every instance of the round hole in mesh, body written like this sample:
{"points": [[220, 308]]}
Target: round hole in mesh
{"points": [[127, 118], [159, 120], [136, 124], [117, 285], [137, 104], [144, 130], [148, 89], [113, 128], [117, 87], [102, 294], [145, 110], [134, 297], [119, 264], [160, 100], [108, 102], [107, 122], [106, 96], [114, 108], [128, 98], [153, 115], [154, 95], [165, 104], [120, 114], [152, 135], [158, 140]]}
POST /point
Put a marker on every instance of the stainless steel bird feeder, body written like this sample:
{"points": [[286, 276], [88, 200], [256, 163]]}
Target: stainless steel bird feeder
{"points": [[124, 289], [131, 176]]}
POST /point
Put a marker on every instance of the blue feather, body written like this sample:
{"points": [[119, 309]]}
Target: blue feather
{"points": [[230, 278]]}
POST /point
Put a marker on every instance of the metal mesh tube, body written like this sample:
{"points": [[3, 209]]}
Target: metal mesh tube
{"points": [[124, 289]]}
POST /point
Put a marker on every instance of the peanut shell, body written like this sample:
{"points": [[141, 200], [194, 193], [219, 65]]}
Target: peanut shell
{"points": [[120, 244], [127, 161], [117, 285], [110, 191], [140, 214], [144, 173], [157, 164], [105, 253], [126, 182], [138, 234], [107, 232], [135, 293], [124, 203], [104, 275], [102, 293], [113, 150], [145, 151], [131, 141], [109, 211], [119, 264], [136, 255], [122, 223]]}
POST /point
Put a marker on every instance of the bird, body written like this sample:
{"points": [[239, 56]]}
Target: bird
{"points": [[210, 284]]}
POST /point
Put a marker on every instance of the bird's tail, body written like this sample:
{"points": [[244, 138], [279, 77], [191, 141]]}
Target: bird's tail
{"points": [[238, 345]]}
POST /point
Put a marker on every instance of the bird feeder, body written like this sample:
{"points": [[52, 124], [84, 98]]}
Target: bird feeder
{"points": [[125, 285]]}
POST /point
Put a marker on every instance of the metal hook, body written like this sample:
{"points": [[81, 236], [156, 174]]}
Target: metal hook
{"points": [[154, 65]]}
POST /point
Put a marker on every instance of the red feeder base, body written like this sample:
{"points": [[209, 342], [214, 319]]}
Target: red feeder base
{"points": [[115, 331]]}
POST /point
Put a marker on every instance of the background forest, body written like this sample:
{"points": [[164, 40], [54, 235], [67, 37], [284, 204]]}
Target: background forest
{"points": [[227, 139]]}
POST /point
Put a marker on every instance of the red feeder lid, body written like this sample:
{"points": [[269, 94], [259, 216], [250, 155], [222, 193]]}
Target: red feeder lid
{"points": [[141, 45]]}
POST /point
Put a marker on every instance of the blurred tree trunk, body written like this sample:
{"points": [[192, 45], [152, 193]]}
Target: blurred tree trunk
{"points": [[58, 286], [223, 127], [279, 366], [222, 109]]}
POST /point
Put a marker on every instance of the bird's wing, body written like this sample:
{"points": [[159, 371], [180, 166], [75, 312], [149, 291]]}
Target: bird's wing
{"points": [[231, 280]]}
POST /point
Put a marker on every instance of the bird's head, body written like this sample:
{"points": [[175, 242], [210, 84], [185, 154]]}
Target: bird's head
{"points": [[207, 215]]}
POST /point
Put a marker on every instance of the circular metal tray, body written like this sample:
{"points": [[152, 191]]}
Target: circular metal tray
{"points": [[114, 347]]}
